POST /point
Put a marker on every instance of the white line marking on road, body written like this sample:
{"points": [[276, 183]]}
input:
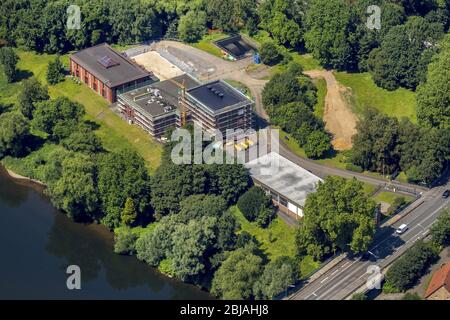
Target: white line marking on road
{"points": [[314, 294], [335, 271], [324, 280], [345, 264]]}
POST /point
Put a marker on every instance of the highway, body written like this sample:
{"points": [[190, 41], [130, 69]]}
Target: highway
{"points": [[351, 273]]}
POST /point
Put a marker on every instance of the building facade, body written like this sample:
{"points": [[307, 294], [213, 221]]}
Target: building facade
{"points": [[217, 105], [108, 72], [155, 107]]}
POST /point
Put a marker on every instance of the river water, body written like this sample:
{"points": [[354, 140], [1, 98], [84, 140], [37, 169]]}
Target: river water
{"points": [[38, 243]]}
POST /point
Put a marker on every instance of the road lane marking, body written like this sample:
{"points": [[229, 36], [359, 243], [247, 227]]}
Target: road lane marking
{"points": [[324, 280], [335, 271], [345, 264]]}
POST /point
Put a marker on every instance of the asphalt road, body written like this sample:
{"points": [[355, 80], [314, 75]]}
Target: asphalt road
{"points": [[352, 273]]}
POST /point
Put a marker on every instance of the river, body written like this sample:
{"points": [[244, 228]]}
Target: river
{"points": [[38, 243]]}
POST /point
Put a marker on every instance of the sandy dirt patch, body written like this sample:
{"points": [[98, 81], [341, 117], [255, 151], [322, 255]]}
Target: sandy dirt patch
{"points": [[338, 116], [163, 69]]}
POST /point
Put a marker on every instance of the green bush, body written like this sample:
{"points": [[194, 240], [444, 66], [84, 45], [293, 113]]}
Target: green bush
{"points": [[270, 54], [404, 272], [124, 241], [353, 167], [256, 206], [398, 203], [359, 296], [166, 267]]}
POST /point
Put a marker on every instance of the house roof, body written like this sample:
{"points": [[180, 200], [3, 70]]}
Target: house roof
{"points": [[109, 66], [217, 96], [441, 278], [160, 98], [283, 176]]}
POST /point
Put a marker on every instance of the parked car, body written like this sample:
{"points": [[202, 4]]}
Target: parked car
{"points": [[401, 229], [446, 194]]}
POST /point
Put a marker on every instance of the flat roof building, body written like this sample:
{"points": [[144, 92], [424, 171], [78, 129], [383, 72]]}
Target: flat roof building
{"points": [[155, 107], [218, 105], [108, 72], [286, 182]]}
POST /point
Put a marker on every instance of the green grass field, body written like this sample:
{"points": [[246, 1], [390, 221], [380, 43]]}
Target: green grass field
{"points": [[276, 240], [206, 43], [319, 108], [389, 197], [364, 93], [115, 133]]}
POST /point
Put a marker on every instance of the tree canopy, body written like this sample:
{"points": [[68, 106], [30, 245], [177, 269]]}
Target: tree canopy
{"points": [[339, 215]]}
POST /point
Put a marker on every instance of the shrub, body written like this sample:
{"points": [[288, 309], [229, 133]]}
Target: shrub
{"points": [[404, 273], [55, 71], [359, 296], [124, 241], [270, 54], [255, 205], [166, 267], [398, 203], [353, 167]]}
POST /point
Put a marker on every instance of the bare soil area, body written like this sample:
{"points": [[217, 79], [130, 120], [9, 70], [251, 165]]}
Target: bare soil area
{"points": [[338, 116]]}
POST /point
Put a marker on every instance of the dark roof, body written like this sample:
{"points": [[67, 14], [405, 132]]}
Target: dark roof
{"points": [[218, 95], [109, 66], [156, 99], [235, 46]]}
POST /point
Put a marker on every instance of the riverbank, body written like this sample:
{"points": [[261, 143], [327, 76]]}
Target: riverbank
{"points": [[53, 241], [16, 176]]}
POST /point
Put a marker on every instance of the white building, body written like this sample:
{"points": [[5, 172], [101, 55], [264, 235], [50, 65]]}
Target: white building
{"points": [[288, 185]]}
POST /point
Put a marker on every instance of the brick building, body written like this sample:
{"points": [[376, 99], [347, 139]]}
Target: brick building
{"points": [[108, 72]]}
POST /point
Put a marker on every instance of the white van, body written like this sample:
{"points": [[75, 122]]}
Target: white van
{"points": [[401, 229]]}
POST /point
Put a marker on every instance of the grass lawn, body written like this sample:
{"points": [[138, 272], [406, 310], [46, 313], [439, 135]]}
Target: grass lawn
{"points": [[389, 197], [319, 108], [398, 103], [277, 240], [206, 43], [115, 133]]}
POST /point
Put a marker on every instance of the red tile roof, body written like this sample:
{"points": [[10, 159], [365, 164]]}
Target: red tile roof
{"points": [[441, 278]]}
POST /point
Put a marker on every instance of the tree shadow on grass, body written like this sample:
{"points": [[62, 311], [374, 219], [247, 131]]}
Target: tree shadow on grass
{"points": [[22, 75]]}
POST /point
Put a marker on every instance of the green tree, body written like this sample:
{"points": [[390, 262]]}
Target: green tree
{"points": [[396, 63], [58, 117], [283, 20], [122, 175], [406, 270], [374, 145], [440, 231], [255, 205], [125, 241], [14, 130], [433, 100], [191, 243], [231, 15], [9, 59], [75, 191], [55, 71], [339, 215], [288, 87], [32, 92], [192, 26], [270, 53], [330, 34], [82, 139], [318, 144], [129, 213], [278, 275], [237, 275]]}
